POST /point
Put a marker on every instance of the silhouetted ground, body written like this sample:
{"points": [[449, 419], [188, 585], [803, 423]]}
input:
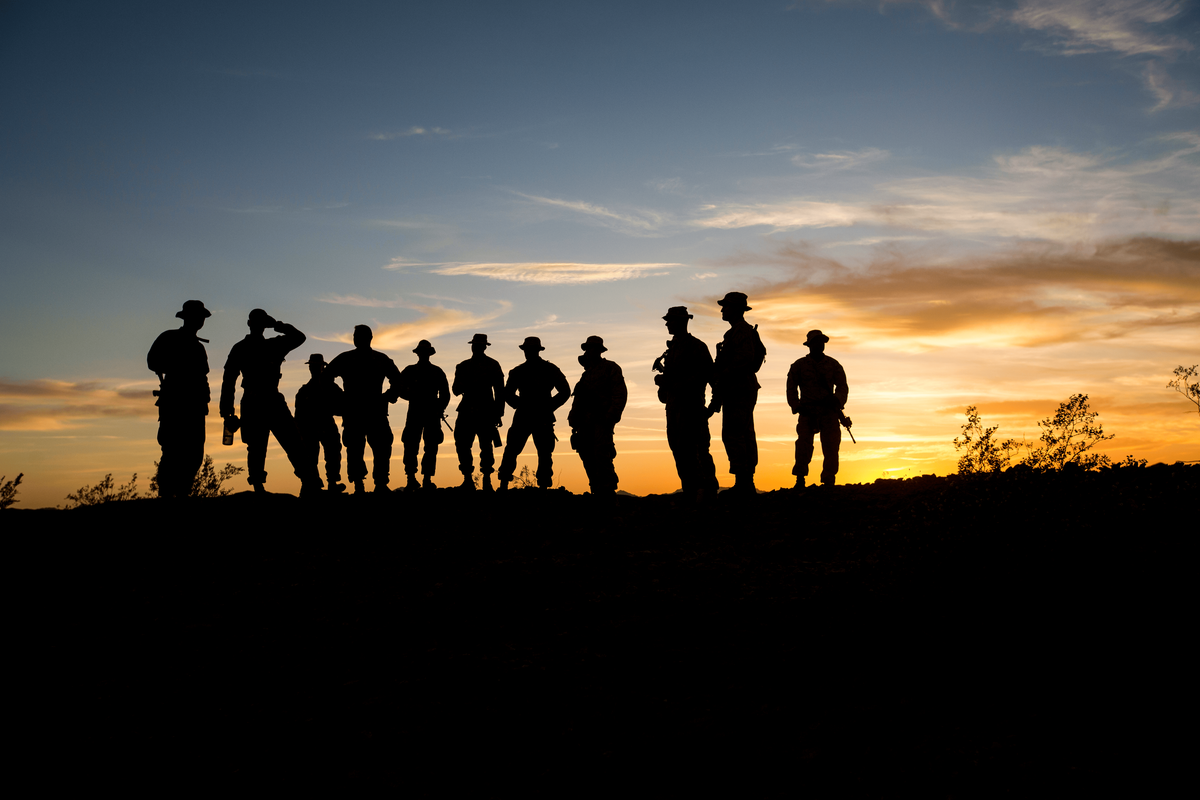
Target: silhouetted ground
{"points": [[1018, 634]]}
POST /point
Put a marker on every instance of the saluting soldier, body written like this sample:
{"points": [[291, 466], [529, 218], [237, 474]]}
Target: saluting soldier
{"points": [[528, 391], [480, 382], [817, 391], [686, 370], [425, 388], [596, 407], [317, 403], [365, 417], [181, 363], [264, 409], [740, 354]]}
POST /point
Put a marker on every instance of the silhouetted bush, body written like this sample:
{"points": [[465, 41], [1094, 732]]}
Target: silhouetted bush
{"points": [[106, 491], [8, 490], [208, 481]]}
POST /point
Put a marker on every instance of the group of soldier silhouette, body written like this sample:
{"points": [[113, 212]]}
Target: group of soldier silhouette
{"points": [[535, 389]]}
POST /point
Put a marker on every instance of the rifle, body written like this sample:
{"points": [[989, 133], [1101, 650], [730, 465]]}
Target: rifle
{"points": [[846, 423]]}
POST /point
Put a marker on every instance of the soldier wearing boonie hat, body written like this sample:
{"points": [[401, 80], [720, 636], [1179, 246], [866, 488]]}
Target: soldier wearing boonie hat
{"points": [[425, 388], [687, 368], [317, 403], [179, 359], [596, 407], [817, 392], [735, 389]]}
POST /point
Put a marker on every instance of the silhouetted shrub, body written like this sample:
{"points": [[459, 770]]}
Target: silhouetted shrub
{"points": [[8, 490], [106, 491], [208, 481]]}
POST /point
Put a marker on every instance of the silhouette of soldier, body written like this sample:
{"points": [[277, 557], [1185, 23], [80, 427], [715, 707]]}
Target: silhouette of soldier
{"points": [[596, 407], [317, 403], [480, 382], [425, 388], [686, 370], [181, 362], [817, 391], [365, 414], [528, 391], [264, 409], [735, 389]]}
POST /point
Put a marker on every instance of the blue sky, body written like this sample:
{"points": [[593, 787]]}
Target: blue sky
{"points": [[938, 185]]}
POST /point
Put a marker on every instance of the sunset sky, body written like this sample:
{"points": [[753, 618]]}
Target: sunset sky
{"points": [[994, 204]]}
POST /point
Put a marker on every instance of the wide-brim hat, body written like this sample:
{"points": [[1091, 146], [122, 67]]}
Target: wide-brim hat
{"points": [[259, 317], [480, 338], [531, 342], [316, 358], [593, 343], [677, 312], [735, 300], [423, 347], [193, 308], [816, 337]]}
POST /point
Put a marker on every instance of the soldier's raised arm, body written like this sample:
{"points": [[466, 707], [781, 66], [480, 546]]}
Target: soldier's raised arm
{"points": [[291, 338]]}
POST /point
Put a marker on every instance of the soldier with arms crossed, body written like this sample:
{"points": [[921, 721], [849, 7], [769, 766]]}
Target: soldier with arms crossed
{"points": [[365, 417]]}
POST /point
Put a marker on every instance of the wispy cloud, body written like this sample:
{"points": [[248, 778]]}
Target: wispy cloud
{"points": [[1170, 92], [635, 221], [840, 159], [1033, 296], [435, 321], [415, 130], [49, 405], [1092, 26], [1039, 193], [361, 302], [542, 272]]}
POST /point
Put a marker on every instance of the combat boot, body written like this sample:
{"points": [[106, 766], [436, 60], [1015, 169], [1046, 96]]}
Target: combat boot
{"points": [[503, 486], [468, 483], [359, 488], [336, 487], [412, 485], [487, 483], [427, 483], [799, 487]]}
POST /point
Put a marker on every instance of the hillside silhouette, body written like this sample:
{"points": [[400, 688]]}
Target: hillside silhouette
{"points": [[955, 636]]}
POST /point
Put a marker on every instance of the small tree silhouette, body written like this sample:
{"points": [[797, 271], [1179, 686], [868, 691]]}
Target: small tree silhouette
{"points": [[1186, 384], [1068, 436], [524, 479], [8, 490], [983, 453], [106, 491], [208, 481]]}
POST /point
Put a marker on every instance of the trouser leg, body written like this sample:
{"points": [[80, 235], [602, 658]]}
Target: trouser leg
{"points": [[381, 438], [310, 444], [432, 438], [831, 440], [255, 431], [332, 444], [354, 436], [283, 426], [410, 437], [804, 446], [737, 432], [181, 436], [518, 435], [597, 455], [464, 437], [543, 440]]}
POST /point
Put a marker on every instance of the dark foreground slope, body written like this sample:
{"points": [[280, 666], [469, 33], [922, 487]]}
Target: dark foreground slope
{"points": [[956, 637]]}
